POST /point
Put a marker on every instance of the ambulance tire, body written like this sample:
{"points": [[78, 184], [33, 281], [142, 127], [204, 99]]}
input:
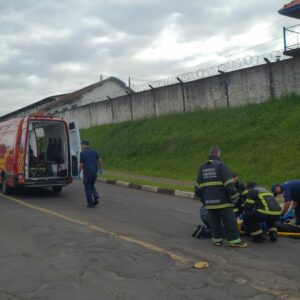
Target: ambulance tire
{"points": [[56, 189], [5, 189]]}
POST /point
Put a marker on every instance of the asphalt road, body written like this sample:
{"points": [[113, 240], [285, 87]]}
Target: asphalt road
{"points": [[135, 245]]}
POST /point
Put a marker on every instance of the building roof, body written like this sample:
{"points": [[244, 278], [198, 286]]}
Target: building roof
{"points": [[30, 106], [291, 9], [71, 97]]}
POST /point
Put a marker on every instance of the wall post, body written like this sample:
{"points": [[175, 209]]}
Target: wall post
{"points": [[182, 92]]}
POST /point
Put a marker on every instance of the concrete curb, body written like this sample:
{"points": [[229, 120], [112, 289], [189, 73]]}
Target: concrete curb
{"points": [[184, 194], [149, 188]]}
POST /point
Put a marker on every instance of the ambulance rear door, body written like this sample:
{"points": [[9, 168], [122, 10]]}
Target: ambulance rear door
{"points": [[74, 146]]}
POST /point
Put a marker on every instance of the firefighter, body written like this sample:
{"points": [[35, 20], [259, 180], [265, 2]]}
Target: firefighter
{"points": [[242, 191], [215, 186], [261, 207], [204, 230]]}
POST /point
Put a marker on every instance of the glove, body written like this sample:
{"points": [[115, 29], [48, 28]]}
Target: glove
{"points": [[287, 216], [291, 213], [100, 172]]}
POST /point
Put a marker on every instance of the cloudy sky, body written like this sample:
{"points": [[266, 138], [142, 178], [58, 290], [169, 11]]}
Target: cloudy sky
{"points": [[49, 47]]}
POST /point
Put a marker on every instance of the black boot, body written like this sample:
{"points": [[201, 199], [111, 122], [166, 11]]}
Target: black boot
{"points": [[196, 231], [201, 232], [273, 235]]}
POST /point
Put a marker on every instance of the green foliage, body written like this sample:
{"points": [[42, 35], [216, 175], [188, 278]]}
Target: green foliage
{"points": [[259, 141]]}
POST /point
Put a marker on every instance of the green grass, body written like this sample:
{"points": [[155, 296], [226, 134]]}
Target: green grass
{"points": [[149, 182], [259, 141]]}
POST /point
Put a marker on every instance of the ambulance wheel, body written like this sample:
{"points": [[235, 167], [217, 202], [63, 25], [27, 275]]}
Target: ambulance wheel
{"points": [[57, 189], [5, 189]]}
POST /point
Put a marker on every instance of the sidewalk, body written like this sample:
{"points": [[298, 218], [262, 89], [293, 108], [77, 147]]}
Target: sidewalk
{"points": [[149, 188], [152, 178]]}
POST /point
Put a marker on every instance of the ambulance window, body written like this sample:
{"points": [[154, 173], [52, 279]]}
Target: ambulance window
{"points": [[32, 143], [72, 125], [40, 140], [40, 132]]}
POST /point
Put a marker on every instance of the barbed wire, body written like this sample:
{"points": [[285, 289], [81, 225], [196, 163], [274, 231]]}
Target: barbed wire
{"points": [[232, 65]]}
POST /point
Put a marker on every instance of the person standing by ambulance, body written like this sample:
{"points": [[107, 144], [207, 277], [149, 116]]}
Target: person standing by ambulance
{"points": [[90, 163], [216, 187]]}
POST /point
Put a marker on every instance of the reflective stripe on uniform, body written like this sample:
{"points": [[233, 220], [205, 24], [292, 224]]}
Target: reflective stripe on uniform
{"points": [[211, 183], [250, 201], [273, 229], [231, 180], [258, 232], [217, 240], [197, 185], [272, 213], [235, 241], [263, 200], [219, 206], [234, 196], [244, 193]]}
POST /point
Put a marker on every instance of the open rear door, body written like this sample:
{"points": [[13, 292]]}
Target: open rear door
{"points": [[74, 146]]}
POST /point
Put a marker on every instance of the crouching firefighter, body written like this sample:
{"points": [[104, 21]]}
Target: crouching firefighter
{"points": [[216, 188], [261, 207], [242, 192]]}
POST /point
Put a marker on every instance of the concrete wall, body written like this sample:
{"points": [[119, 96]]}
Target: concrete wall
{"points": [[251, 85], [286, 77], [144, 105], [207, 93]]}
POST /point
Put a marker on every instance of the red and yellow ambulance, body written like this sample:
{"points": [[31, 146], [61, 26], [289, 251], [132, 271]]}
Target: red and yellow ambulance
{"points": [[38, 151]]}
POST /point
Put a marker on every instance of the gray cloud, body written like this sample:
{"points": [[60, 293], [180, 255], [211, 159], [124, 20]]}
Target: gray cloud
{"points": [[52, 47]]}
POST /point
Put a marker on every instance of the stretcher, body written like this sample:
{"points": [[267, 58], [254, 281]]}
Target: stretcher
{"points": [[283, 229]]}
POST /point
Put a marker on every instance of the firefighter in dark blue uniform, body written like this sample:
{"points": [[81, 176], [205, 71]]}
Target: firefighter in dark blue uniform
{"points": [[204, 230], [89, 163], [261, 207], [242, 192], [216, 186]]}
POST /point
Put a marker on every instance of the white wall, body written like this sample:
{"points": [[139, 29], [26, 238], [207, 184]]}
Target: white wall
{"points": [[107, 89]]}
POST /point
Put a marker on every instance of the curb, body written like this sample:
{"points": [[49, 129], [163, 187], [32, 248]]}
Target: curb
{"points": [[149, 188]]}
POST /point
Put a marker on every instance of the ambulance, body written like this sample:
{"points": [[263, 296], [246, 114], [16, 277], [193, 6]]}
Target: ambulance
{"points": [[38, 151]]}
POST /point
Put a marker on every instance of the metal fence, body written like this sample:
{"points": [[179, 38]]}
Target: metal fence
{"points": [[291, 37]]}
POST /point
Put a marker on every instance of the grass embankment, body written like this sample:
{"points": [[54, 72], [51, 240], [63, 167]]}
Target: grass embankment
{"points": [[259, 141]]}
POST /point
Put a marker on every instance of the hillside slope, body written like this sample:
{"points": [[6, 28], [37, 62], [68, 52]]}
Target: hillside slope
{"points": [[259, 141]]}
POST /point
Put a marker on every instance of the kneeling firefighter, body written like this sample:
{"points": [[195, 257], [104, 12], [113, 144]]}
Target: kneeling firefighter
{"points": [[242, 192], [261, 206]]}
